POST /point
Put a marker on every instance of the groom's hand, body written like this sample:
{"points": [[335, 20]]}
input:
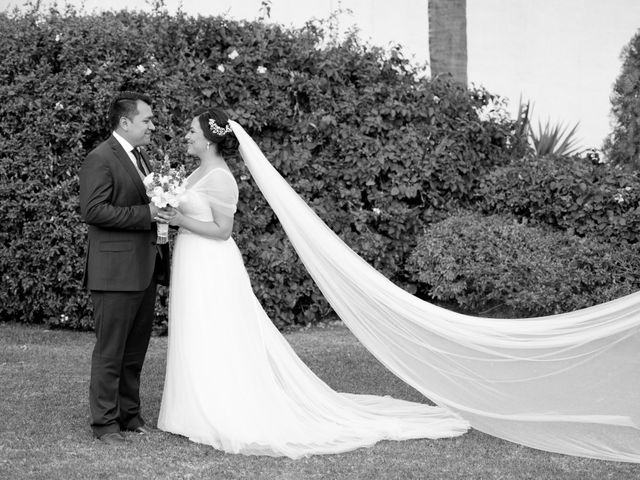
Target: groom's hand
{"points": [[153, 209], [165, 215], [170, 215]]}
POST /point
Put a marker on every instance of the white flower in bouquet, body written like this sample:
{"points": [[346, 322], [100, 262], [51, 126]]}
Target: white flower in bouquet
{"points": [[165, 187]]}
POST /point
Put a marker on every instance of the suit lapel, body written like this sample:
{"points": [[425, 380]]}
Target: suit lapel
{"points": [[129, 167]]}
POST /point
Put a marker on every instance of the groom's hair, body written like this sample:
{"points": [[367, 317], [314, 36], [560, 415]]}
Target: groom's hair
{"points": [[125, 104]]}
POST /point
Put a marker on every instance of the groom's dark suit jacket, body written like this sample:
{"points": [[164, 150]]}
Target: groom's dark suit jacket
{"points": [[122, 252]]}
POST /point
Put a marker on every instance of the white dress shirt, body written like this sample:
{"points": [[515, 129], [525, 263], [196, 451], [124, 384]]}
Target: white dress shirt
{"points": [[129, 149]]}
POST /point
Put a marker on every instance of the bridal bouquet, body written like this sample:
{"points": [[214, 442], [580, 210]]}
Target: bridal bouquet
{"points": [[165, 187]]}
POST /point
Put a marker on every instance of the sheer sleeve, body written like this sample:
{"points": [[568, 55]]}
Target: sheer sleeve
{"points": [[221, 190]]}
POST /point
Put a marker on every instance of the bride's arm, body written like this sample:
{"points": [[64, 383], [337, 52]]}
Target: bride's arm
{"points": [[220, 228]]}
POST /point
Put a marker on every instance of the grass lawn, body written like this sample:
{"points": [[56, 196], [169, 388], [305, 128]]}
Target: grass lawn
{"points": [[44, 424]]}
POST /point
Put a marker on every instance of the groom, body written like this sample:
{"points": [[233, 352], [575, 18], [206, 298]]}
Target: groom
{"points": [[123, 266]]}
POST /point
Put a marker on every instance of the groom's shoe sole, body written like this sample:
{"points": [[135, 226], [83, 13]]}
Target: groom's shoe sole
{"points": [[143, 430], [113, 438]]}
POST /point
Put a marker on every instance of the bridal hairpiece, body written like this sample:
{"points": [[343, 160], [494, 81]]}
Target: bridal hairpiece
{"points": [[218, 130]]}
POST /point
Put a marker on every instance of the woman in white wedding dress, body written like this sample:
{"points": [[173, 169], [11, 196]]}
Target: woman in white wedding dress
{"points": [[232, 381]]}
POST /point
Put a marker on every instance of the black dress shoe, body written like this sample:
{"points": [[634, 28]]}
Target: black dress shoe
{"points": [[112, 438], [142, 429]]}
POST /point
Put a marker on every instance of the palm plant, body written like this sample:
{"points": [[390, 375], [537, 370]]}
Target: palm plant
{"points": [[448, 38]]}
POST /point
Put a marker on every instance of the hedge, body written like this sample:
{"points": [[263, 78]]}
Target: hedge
{"points": [[378, 151], [581, 196]]}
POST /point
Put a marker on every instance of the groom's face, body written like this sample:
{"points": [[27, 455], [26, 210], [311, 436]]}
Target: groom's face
{"points": [[137, 129]]}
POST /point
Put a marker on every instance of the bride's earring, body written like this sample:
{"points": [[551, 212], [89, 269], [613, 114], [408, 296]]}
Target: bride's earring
{"points": [[208, 145]]}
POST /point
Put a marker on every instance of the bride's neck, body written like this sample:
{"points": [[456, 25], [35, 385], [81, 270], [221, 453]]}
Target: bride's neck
{"points": [[207, 162]]}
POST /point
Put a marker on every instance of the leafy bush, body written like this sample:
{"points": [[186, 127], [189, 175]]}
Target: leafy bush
{"points": [[578, 195], [623, 145], [495, 263], [376, 150]]}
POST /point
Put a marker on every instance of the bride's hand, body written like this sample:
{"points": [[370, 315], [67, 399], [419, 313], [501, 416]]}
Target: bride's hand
{"points": [[170, 215]]}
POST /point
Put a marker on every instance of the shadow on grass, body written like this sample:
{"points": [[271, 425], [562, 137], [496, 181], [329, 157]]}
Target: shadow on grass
{"points": [[44, 424]]}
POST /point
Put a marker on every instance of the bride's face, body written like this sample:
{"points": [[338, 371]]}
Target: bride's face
{"points": [[196, 143]]}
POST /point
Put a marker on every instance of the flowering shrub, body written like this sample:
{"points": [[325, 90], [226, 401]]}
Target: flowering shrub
{"points": [[496, 266], [376, 150]]}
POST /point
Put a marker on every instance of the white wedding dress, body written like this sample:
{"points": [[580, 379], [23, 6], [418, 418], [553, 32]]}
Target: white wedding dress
{"points": [[233, 382], [566, 383]]}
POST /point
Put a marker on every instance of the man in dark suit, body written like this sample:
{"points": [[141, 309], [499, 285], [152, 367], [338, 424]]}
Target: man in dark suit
{"points": [[123, 266]]}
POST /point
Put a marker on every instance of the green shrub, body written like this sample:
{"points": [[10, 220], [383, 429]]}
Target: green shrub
{"points": [[493, 263], [376, 150], [623, 145], [576, 195]]}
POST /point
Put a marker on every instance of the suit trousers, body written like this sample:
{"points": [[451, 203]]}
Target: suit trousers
{"points": [[123, 324]]}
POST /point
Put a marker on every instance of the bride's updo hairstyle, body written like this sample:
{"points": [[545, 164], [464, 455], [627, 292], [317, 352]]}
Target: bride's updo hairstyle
{"points": [[215, 127]]}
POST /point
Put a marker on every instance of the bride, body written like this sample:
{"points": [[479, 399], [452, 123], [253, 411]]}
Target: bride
{"points": [[232, 381]]}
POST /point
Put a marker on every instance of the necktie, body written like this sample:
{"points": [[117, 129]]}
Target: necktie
{"points": [[139, 162]]}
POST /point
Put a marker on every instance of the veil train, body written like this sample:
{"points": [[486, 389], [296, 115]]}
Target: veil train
{"points": [[567, 383]]}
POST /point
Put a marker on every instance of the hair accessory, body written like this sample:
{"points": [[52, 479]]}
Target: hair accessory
{"points": [[218, 130]]}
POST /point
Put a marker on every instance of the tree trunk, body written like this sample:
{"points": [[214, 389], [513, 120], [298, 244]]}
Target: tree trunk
{"points": [[448, 38]]}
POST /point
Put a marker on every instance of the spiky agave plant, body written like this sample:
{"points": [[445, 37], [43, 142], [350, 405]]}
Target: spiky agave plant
{"points": [[555, 139], [552, 139], [522, 124]]}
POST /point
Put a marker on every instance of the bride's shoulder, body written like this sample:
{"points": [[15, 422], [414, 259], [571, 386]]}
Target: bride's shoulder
{"points": [[222, 175], [222, 172], [220, 179]]}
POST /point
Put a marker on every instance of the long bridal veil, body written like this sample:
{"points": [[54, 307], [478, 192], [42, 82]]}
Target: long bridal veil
{"points": [[566, 383]]}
